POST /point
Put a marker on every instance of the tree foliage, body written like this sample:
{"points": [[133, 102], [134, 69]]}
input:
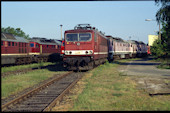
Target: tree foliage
{"points": [[161, 47], [163, 14], [16, 32]]}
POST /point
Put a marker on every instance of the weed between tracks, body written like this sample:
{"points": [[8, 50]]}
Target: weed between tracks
{"points": [[105, 89]]}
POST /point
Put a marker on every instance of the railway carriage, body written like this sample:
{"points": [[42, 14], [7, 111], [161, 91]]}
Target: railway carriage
{"points": [[84, 47]]}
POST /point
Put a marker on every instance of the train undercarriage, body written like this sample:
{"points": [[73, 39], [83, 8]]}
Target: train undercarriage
{"points": [[81, 63], [27, 59]]}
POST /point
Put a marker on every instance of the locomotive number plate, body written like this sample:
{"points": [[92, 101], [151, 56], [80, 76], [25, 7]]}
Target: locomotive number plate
{"points": [[78, 52]]}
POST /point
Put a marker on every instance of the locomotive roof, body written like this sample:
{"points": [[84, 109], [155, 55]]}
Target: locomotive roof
{"points": [[136, 42], [58, 41], [44, 41], [116, 38], [12, 38]]}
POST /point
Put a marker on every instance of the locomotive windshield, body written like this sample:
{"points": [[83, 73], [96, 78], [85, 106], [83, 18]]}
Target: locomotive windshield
{"points": [[82, 37], [72, 37]]}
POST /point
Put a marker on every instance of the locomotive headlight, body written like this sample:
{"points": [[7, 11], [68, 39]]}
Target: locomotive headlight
{"points": [[70, 52], [91, 52], [86, 52], [66, 52]]}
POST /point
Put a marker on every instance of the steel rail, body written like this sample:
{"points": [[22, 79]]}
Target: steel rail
{"points": [[28, 94], [50, 106]]}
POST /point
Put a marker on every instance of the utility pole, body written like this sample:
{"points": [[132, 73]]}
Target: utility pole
{"points": [[159, 36], [159, 32], [61, 31]]}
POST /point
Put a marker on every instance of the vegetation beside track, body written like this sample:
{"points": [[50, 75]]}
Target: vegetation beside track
{"points": [[16, 83], [105, 89], [19, 67]]}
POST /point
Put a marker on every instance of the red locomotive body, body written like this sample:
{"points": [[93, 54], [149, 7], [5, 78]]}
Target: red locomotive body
{"points": [[18, 50], [13, 49], [42, 48], [148, 50], [62, 47], [84, 48]]}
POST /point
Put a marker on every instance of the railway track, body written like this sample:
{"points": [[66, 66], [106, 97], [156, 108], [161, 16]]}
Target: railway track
{"points": [[44, 97]]}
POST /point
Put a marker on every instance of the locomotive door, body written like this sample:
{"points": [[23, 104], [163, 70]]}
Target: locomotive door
{"points": [[6, 47], [95, 41]]}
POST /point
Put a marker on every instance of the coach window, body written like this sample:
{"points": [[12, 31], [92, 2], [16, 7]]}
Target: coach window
{"points": [[16, 44], [1, 43], [71, 37]]}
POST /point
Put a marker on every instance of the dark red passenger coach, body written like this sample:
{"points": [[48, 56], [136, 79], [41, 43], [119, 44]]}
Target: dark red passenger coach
{"points": [[85, 47]]}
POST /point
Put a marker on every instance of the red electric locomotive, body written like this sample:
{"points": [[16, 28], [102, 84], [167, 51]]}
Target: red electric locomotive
{"points": [[84, 48]]}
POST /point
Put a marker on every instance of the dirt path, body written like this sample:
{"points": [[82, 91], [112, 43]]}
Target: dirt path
{"points": [[153, 80]]}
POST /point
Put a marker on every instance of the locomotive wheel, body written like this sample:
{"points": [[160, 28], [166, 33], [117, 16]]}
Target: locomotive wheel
{"points": [[22, 60], [45, 59], [18, 61], [40, 59], [91, 65], [28, 60]]}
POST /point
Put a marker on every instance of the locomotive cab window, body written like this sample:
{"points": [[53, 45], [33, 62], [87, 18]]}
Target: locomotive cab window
{"points": [[84, 36], [72, 37], [78, 37], [31, 45]]}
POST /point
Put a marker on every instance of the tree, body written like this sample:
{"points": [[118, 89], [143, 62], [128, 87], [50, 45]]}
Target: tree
{"points": [[161, 48], [163, 14], [15, 32]]}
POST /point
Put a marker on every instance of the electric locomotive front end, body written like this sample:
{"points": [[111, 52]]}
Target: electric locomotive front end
{"points": [[79, 47]]}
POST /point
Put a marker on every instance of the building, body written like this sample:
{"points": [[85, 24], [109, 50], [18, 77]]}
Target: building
{"points": [[151, 39]]}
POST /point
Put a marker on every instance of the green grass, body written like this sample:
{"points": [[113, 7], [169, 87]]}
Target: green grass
{"points": [[14, 68], [163, 65], [16, 83], [107, 90]]}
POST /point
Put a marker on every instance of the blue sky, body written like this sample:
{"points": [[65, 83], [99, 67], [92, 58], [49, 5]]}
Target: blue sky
{"points": [[122, 19]]}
